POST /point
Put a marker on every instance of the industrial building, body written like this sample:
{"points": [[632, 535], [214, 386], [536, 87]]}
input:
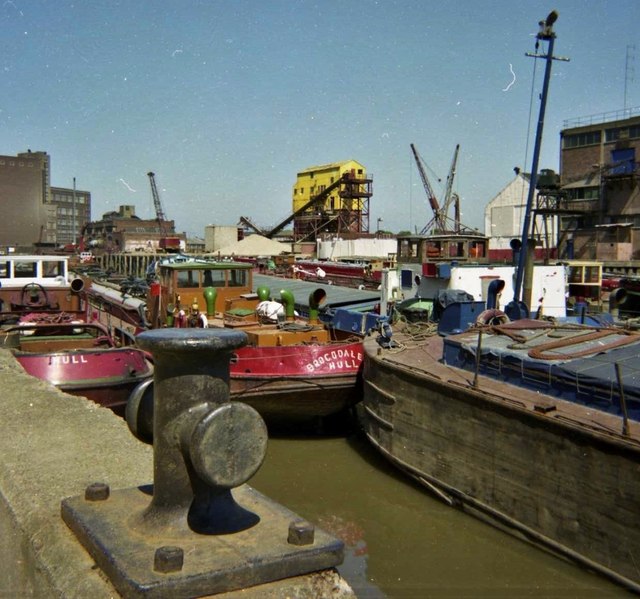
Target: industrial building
{"points": [[34, 213], [599, 173], [73, 211], [590, 210], [328, 200], [331, 198], [503, 222], [123, 231]]}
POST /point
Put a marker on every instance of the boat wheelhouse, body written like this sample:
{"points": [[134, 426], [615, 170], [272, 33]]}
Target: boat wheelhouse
{"points": [[33, 282], [183, 285]]}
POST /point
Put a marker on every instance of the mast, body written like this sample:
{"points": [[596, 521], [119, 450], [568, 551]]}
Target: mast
{"points": [[517, 309]]}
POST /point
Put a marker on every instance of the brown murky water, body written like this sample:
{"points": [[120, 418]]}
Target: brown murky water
{"points": [[400, 541]]}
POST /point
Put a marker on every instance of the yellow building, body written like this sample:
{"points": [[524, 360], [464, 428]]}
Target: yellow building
{"points": [[331, 198]]}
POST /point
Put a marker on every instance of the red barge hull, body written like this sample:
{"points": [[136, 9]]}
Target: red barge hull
{"points": [[297, 380], [106, 377]]}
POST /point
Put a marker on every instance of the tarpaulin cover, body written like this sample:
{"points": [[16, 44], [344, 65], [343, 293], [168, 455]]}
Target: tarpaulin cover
{"points": [[590, 380]]}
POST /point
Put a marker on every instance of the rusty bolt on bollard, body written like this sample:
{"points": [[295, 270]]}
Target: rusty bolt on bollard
{"points": [[301, 532], [168, 559], [97, 492]]}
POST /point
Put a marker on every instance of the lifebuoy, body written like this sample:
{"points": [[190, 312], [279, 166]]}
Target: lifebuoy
{"points": [[492, 317]]}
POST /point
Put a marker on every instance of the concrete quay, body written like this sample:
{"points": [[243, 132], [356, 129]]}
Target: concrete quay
{"points": [[53, 446]]}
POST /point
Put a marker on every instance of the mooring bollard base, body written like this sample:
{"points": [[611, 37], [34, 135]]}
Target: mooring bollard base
{"points": [[208, 564]]}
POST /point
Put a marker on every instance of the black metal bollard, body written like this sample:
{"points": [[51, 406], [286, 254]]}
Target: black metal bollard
{"points": [[203, 444], [186, 536]]}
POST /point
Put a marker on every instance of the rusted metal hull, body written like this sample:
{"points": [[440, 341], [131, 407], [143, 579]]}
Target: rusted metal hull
{"points": [[104, 376], [558, 474]]}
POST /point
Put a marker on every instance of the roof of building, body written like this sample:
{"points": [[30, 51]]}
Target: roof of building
{"points": [[326, 167]]}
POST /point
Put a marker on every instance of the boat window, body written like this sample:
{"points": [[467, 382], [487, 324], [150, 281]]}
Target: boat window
{"points": [[25, 269], [4, 270], [187, 279], [52, 268], [213, 278], [238, 278]]}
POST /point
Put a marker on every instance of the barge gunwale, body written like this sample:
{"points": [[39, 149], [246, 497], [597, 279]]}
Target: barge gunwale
{"points": [[508, 458]]}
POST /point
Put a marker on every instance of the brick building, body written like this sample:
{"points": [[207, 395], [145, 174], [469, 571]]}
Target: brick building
{"points": [[123, 231], [600, 210]]}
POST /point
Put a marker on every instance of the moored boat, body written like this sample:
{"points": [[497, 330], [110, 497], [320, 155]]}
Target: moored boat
{"points": [[46, 326], [37, 283], [79, 358], [290, 368], [559, 473]]}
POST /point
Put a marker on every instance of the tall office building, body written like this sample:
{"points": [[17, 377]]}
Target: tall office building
{"points": [[33, 212]]}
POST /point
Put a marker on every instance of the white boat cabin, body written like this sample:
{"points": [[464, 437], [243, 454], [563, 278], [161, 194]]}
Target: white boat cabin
{"points": [[33, 282]]}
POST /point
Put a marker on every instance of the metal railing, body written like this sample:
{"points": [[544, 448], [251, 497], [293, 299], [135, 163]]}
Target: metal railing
{"points": [[602, 117]]}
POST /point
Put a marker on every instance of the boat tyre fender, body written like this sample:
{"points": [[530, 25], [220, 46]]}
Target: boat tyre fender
{"points": [[492, 318]]}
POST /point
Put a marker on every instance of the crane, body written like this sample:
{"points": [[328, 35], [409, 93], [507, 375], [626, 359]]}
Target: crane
{"points": [[439, 220], [431, 196], [166, 243], [449, 196]]}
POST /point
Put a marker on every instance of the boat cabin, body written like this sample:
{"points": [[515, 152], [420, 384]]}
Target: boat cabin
{"points": [[32, 282], [197, 286], [458, 247]]}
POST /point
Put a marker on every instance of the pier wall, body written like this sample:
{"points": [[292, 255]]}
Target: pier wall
{"points": [[53, 446]]}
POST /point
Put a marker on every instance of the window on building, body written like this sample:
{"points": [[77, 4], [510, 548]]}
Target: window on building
{"points": [[616, 133], [577, 140], [571, 223], [584, 193]]}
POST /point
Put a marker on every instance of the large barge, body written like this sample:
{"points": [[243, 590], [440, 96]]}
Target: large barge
{"points": [[561, 474]]}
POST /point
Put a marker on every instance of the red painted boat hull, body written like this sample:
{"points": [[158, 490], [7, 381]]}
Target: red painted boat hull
{"points": [[297, 381], [105, 376]]}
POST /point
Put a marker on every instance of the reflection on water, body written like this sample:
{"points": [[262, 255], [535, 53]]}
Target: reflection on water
{"points": [[400, 542]]}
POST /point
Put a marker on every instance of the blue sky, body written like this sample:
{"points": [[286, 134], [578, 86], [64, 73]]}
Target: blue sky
{"points": [[227, 100]]}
